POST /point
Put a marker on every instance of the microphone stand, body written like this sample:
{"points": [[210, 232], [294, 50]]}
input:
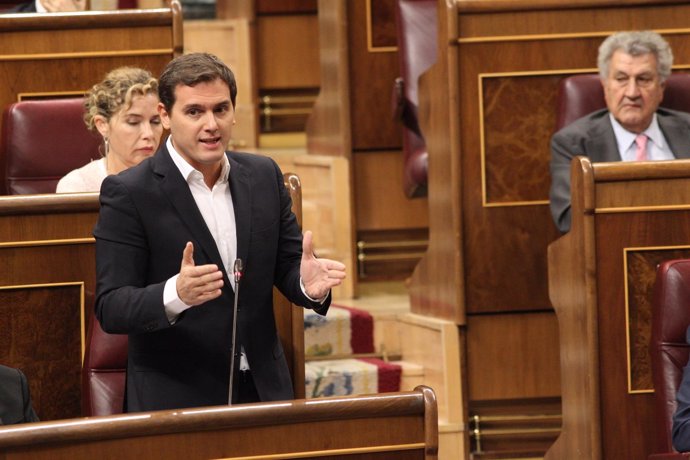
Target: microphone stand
{"points": [[237, 269]]}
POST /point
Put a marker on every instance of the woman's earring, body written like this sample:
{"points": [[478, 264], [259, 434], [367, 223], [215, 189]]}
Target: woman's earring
{"points": [[106, 145]]}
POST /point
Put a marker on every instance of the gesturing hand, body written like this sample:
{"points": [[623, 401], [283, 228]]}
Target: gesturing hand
{"points": [[318, 275], [196, 285]]}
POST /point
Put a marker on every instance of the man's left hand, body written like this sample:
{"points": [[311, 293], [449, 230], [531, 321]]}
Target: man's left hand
{"points": [[318, 275]]}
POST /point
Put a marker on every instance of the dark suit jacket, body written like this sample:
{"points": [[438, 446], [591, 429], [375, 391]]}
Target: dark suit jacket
{"points": [[593, 137], [681, 418], [15, 400], [26, 7], [147, 215]]}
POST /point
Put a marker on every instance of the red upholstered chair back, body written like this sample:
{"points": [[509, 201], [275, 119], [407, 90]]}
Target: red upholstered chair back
{"points": [[668, 347], [579, 95], [416, 33], [103, 372], [42, 141]]}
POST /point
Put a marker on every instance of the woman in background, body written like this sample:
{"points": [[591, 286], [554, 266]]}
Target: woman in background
{"points": [[123, 108]]}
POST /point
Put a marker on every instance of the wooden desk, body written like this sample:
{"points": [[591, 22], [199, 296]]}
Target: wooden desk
{"points": [[626, 219], [387, 426]]}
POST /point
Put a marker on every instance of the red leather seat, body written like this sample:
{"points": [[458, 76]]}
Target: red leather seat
{"points": [[416, 32], [580, 95], [41, 141], [668, 347], [103, 372]]}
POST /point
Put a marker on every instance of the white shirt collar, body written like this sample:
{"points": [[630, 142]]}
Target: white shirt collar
{"points": [[40, 8], [188, 170], [625, 138]]}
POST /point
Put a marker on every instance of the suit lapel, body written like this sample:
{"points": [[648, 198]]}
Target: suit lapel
{"points": [[177, 191], [601, 141], [240, 189], [676, 133]]}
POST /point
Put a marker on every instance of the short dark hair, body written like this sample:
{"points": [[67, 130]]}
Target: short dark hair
{"points": [[191, 69]]}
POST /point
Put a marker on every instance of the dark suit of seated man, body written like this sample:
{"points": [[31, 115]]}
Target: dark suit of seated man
{"points": [[15, 400], [633, 67], [681, 418]]}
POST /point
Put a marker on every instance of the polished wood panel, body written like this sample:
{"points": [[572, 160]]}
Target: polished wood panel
{"points": [[514, 171], [354, 427], [601, 288], [285, 6], [381, 24], [328, 127], [382, 204], [53, 55], [47, 285], [511, 356], [287, 52], [47, 288], [371, 77]]}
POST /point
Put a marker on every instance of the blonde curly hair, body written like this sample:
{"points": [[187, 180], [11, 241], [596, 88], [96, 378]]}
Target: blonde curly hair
{"points": [[116, 91]]}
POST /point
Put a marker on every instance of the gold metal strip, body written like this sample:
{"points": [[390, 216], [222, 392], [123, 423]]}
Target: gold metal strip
{"points": [[564, 36], [402, 256], [670, 207], [515, 203], [627, 308], [284, 112], [516, 418], [370, 41], [287, 99], [24, 244], [392, 244], [384, 356], [332, 452], [49, 94], [82, 319], [518, 431], [84, 54]]}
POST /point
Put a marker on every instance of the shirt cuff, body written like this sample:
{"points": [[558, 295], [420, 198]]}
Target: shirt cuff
{"points": [[173, 305], [304, 291]]}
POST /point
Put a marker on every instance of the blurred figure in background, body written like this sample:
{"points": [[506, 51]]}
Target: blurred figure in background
{"points": [[15, 400]]}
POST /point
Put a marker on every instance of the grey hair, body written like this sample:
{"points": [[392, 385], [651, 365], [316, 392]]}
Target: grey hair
{"points": [[636, 43]]}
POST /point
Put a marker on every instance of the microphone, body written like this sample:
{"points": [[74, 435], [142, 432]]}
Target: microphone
{"points": [[237, 271]]}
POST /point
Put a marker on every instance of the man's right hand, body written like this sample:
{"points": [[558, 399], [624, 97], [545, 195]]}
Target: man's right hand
{"points": [[197, 285]]}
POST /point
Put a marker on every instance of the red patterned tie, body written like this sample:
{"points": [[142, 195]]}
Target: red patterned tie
{"points": [[641, 152]]}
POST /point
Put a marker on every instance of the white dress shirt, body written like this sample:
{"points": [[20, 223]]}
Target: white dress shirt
{"points": [[657, 146]]}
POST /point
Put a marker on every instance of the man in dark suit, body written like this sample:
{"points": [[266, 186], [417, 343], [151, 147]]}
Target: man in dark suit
{"points": [[633, 67], [168, 233], [15, 399]]}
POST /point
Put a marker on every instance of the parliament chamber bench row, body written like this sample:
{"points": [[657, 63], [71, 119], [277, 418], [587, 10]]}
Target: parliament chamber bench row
{"points": [[392, 426]]}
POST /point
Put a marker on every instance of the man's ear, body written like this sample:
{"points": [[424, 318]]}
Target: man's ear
{"points": [[102, 125], [165, 116]]}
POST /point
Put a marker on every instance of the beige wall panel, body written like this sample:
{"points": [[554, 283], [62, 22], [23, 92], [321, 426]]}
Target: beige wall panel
{"points": [[288, 52]]}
